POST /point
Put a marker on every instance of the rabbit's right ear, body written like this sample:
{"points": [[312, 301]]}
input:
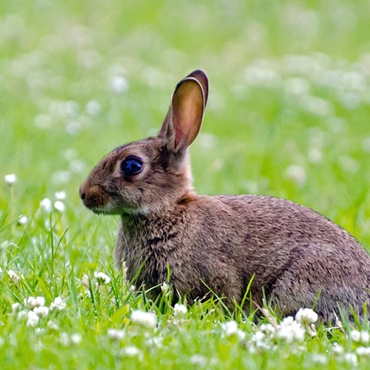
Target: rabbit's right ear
{"points": [[185, 115]]}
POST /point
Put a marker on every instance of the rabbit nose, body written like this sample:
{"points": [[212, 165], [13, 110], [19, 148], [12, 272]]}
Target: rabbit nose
{"points": [[82, 193]]}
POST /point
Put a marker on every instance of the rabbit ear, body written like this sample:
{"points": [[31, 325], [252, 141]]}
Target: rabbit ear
{"points": [[201, 77], [185, 115]]}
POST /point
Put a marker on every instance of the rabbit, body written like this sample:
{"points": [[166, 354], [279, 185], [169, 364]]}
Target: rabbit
{"points": [[285, 253]]}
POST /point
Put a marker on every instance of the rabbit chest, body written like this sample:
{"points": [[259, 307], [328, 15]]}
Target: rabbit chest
{"points": [[171, 249]]}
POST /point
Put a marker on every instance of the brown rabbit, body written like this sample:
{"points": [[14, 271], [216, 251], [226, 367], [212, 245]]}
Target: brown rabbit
{"points": [[201, 243]]}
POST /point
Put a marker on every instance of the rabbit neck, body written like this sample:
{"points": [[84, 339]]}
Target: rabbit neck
{"points": [[145, 241], [145, 217]]}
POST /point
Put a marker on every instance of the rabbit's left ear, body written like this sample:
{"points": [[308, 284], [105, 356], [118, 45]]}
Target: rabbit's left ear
{"points": [[185, 115]]}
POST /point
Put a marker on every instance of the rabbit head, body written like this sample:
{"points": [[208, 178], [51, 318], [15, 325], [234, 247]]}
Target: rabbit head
{"points": [[151, 174]]}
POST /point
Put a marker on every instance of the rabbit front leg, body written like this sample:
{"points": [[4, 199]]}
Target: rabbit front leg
{"points": [[119, 251]]}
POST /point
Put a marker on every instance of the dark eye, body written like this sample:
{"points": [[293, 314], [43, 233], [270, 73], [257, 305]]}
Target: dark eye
{"points": [[131, 166]]}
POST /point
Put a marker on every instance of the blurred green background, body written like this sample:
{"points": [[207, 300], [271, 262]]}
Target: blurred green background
{"points": [[288, 111], [288, 115]]}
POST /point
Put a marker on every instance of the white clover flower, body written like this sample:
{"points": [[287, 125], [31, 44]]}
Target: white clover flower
{"points": [[16, 307], [290, 331], [156, 342], [230, 328], [48, 225], [314, 156], [93, 108], [164, 287], [306, 316], [119, 84], [76, 338], [70, 154], [240, 334], [131, 351], [319, 358], [132, 288], [22, 220], [116, 334], [297, 174], [355, 336], [32, 318], [13, 275], [30, 302], [60, 195], [40, 301], [180, 309], [337, 349], [87, 294], [3, 245], [65, 340], [348, 164], [58, 304], [10, 179], [59, 206], [350, 359], [268, 330], [297, 86], [46, 205], [198, 360], [52, 325], [366, 144], [207, 141], [43, 121], [77, 166], [359, 336], [33, 302], [22, 314], [365, 337], [363, 351], [259, 338], [101, 278], [85, 281], [124, 267], [261, 75], [317, 106], [41, 311], [61, 177], [147, 319]]}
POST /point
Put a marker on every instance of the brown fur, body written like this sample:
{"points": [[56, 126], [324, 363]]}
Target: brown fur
{"points": [[292, 253]]}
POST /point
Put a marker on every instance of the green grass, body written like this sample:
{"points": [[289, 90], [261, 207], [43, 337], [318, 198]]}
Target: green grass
{"points": [[287, 116]]}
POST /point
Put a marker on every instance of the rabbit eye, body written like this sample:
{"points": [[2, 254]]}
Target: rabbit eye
{"points": [[131, 166]]}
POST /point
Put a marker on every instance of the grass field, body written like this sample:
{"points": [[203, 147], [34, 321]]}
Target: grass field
{"points": [[288, 116]]}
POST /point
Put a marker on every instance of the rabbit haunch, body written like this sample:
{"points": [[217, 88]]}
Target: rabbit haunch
{"points": [[293, 255]]}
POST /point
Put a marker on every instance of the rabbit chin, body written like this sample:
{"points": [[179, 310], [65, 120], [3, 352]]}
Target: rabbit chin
{"points": [[111, 210]]}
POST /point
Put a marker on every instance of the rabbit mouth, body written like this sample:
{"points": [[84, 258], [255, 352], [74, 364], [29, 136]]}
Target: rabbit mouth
{"points": [[105, 211], [121, 211], [100, 212]]}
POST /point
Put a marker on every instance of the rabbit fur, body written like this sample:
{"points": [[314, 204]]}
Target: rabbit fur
{"points": [[293, 256]]}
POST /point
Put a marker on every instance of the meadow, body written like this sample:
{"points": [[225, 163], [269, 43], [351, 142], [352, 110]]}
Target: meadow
{"points": [[288, 116]]}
